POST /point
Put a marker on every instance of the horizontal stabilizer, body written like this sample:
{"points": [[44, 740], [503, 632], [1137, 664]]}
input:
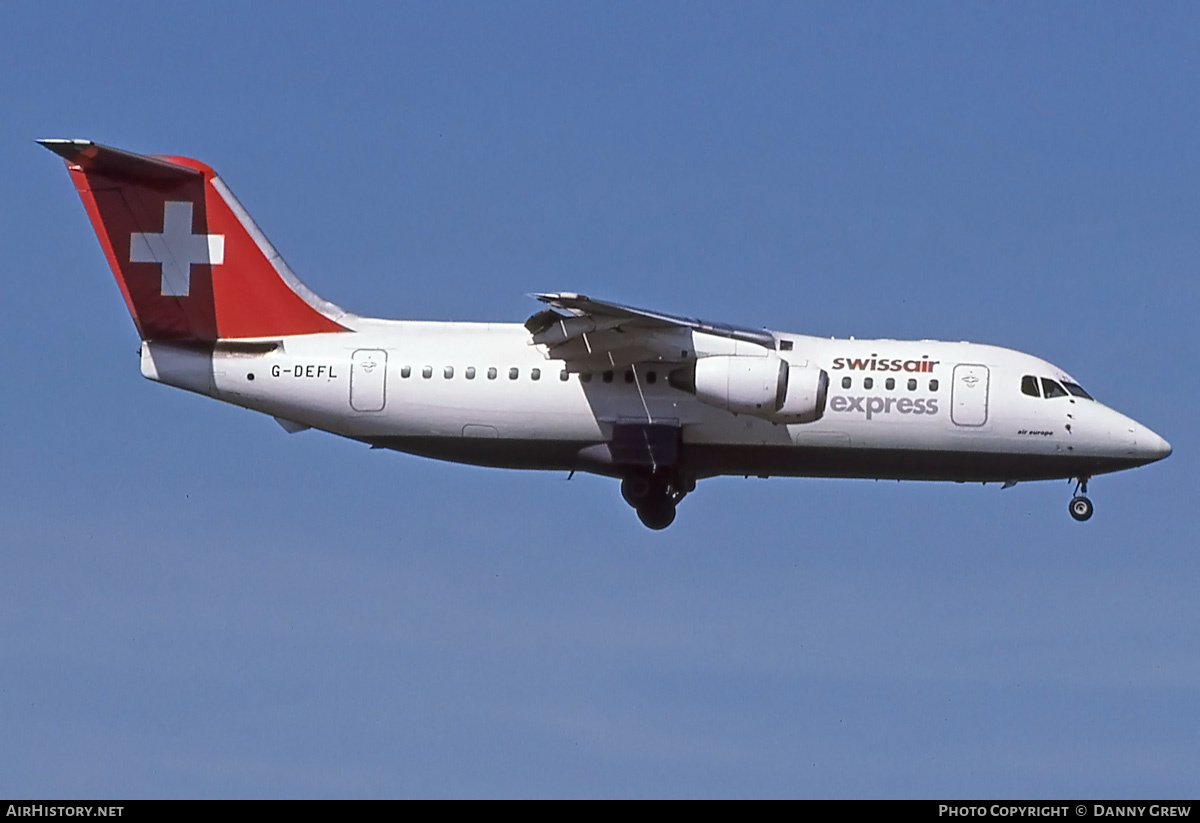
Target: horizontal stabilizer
{"points": [[110, 162]]}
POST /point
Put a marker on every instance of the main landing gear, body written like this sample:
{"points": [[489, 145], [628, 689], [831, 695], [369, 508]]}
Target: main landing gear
{"points": [[655, 495], [1080, 507]]}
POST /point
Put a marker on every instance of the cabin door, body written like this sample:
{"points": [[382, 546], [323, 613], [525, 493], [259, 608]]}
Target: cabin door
{"points": [[368, 380], [969, 395]]}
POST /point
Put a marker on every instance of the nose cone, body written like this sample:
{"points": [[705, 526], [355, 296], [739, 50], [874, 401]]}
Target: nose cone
{"points": [[1151, 446]]}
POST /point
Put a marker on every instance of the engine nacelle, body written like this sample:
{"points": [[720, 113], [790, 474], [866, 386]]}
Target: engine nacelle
{"points": [[804, 396], [767, 387]]}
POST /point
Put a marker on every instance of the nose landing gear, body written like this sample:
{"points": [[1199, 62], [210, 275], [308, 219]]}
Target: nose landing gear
{"points": [[654, 495], [1080, 507]]}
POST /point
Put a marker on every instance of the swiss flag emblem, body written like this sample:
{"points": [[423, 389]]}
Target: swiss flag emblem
{"points": [[176, 249]]}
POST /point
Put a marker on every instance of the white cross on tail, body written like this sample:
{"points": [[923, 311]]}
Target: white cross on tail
{"points": [[177, 249]]}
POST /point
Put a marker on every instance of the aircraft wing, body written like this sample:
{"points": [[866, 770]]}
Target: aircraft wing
{"points": [[590, 334]]}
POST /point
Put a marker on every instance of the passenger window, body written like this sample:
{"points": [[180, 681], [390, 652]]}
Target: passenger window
{"points": [[514, 373], [629, 375], [607, 377], [1029, 386], [912, 384], [846, 382], [933, 385], [535, 374], [427, 372], [651, 377], [564, 375], [868, 382], [586, 377], [492, 373], [890, 383], [448, 372], [406, 372], [1052, 389], [470, 372]]}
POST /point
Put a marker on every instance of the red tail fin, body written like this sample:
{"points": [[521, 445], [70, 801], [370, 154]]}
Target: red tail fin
{"points": [[189, 260]]}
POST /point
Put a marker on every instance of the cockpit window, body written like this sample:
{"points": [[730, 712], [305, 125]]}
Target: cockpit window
{"points": [[1029, 386], [1077, 390], [1052, 389]]}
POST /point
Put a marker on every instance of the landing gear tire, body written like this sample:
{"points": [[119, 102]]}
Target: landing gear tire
{"points": [[655, 494], [636, 490], [657, 515], [1080, 508]]}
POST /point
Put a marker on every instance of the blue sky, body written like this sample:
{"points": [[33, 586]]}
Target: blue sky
{"points": [[194, 603]]}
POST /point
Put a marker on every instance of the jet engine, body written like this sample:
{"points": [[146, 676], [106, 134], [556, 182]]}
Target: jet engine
{"points": [[767, 387]]}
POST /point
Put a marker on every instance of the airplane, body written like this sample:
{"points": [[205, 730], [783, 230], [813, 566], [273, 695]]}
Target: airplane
{"points": [[656, 400]]}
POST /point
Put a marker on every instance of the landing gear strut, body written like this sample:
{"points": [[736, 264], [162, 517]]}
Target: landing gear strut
{"points": [[655, 495], [1080, 507]]}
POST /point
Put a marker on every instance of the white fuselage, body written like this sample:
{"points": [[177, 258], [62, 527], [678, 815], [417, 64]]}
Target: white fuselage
{"points": [[656, 399], [484, 393]]}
